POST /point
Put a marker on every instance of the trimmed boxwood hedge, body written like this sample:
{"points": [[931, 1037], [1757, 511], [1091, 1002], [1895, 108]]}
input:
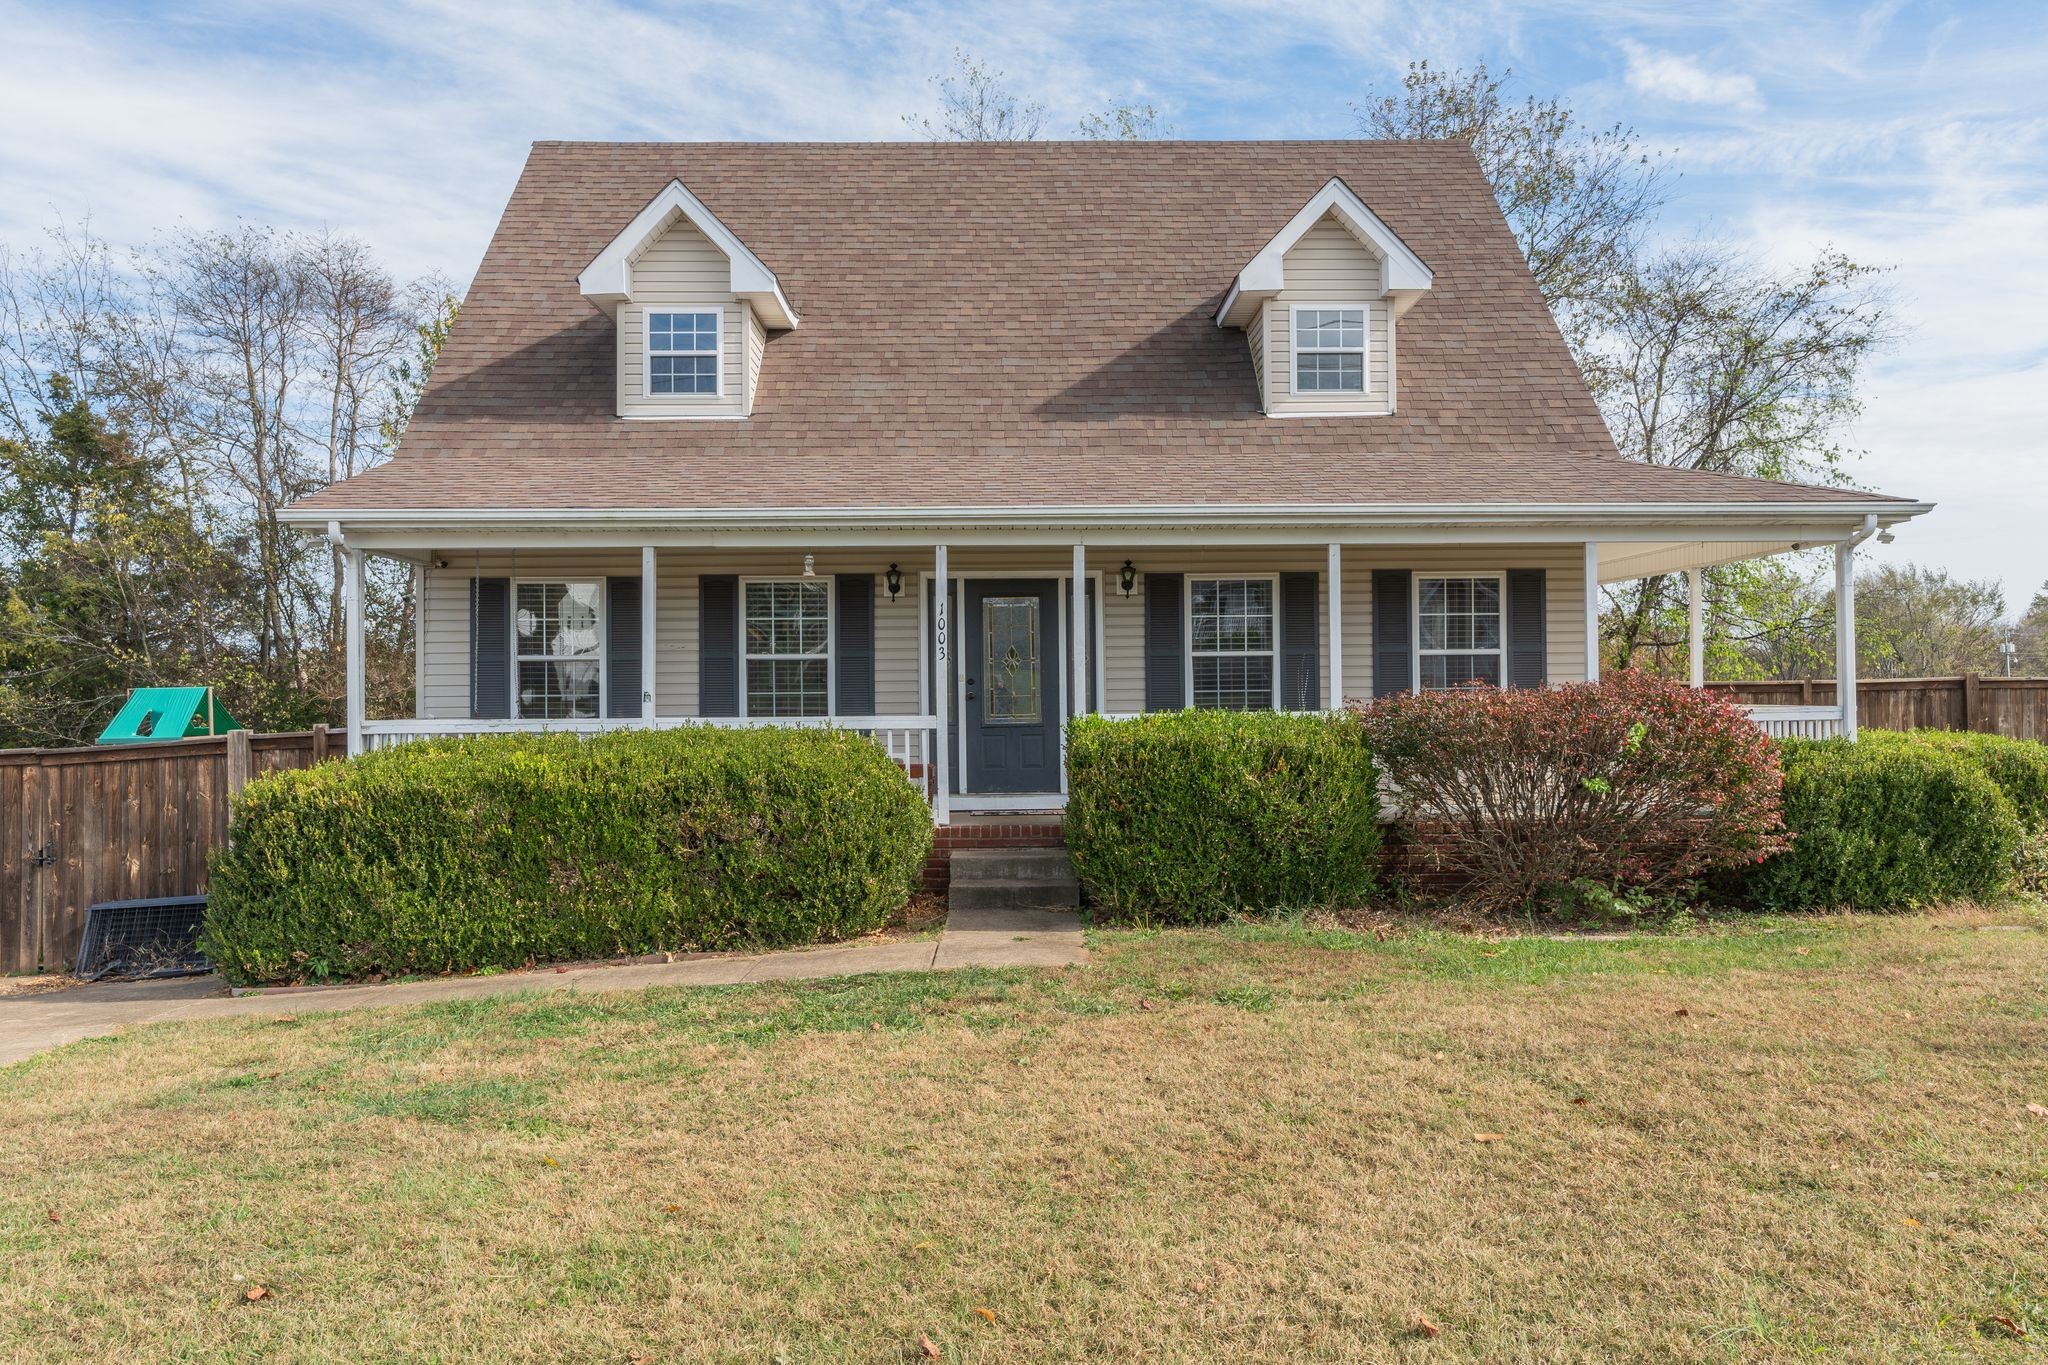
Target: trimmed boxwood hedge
{"points": [[1887, 824], [1189, 817], [497, 851], [2018, 766]]}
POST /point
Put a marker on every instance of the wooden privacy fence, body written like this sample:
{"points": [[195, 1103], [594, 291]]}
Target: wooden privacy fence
{"points": [[118, 822], [2017, 707]]}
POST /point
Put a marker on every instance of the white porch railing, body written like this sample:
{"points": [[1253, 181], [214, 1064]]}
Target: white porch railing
{"points": [[906, 739], [1798, 722]]}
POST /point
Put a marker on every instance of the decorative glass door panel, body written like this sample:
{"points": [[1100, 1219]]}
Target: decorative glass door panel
{"points": [[1010, 648]]}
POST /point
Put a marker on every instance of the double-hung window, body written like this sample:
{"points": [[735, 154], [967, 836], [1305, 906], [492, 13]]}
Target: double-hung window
{"points": [[558, 650], [788, 638], [682, 353], [1231, 643], [1329, 350], [1459, 631]]}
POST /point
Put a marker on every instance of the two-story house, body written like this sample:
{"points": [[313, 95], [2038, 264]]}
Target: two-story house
{"points": [[949, 442]]}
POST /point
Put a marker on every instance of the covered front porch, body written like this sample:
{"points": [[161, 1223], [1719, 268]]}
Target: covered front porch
{"points": [[967, 685]]}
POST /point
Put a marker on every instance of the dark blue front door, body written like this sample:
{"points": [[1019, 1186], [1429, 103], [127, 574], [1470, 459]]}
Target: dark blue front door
{"points": [[1010, 688]]}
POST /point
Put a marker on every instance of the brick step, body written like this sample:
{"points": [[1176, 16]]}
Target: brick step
{"points": [[1010, 894], [1012, 865]]}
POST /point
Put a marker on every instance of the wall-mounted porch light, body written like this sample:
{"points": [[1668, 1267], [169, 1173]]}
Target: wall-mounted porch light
{"points": [[893, 581], [810, 566], [1128, 577]]}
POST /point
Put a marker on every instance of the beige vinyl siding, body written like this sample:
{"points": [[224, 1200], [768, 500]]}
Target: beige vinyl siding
{"points": [[682, 269], [757, 343], [1328, 266], [1255, 338], [443, 683]]}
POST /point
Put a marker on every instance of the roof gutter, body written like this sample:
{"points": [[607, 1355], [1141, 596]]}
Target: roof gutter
{"points": [[1873, 513]]}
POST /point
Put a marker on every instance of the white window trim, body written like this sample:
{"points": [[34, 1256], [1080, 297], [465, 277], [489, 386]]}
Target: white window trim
{"points": [[1295, 352], [603, 639], [1187, 628], [1500, 580], [831, 639], [647, 352]]}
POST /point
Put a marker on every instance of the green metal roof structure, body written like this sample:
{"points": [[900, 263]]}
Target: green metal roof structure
{"points": [[157, 713]]}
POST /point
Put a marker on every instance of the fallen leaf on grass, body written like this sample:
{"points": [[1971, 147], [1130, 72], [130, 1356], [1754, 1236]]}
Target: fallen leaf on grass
{"points": [[2039, 1111], [1423, 1327], [287, 1019], [255, 1292], [549, 1161], [1145, 1005], [1802, 951], [988, 1313], [926, 1347], [1489, 1137], [922, 1246], [1681, 1013], [54, 1218], [2011, 1328], [671, 1208], [1580, 1099], [1910, 1222]]}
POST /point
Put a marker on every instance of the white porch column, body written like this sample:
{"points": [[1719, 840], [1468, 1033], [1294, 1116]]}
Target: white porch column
{"points": [[942, 660], [1592, 611], [352, 594], [1696, 623], [1845, 635], [647, 644], [1078, 614], [1335, 698]]}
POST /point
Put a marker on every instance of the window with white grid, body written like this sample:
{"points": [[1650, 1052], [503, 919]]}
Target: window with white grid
{"points": [[682, 353], [1231, 643], [788, 642], [1329, 350], [558, 650], [1458, 631]]}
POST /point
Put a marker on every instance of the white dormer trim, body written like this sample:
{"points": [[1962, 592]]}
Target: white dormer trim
{"points": [[1403, 276], [608, 280]]}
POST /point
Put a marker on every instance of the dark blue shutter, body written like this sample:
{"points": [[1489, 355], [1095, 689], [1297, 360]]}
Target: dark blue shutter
{"points": [[718, 645], [490, 649], [1393, 631], [1165, 651], [622, 647], [1526, 648], [1301, 663], [853, 666]]}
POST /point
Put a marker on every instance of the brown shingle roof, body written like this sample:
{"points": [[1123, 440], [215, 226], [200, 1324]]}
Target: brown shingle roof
{"points": [[1008, 324]]}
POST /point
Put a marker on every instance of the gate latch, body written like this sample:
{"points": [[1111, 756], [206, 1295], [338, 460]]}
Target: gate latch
{"points": [[46, 856]]}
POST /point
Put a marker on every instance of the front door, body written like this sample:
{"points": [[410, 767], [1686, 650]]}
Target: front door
{"points": [[1010, 691]]}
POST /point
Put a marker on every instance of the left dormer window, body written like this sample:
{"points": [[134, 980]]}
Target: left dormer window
{"points": [[1329, 350], [682, 353]]}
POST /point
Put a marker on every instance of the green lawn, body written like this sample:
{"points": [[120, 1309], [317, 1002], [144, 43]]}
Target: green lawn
{"points": [[1791, 1139]]}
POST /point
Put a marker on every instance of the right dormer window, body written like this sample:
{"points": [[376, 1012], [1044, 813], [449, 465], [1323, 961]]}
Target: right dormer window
{"points": [[1329, 350], [682, 353]]}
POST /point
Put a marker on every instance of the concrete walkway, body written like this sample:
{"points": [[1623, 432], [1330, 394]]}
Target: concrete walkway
{"points": [[982, 938]]}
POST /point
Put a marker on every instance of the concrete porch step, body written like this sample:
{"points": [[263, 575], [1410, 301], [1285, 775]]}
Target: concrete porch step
{"points": [[1012, 865], [985, 893]]}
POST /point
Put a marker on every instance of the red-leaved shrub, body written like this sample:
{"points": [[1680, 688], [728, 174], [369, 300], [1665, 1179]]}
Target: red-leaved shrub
{"points": [[1628, 782]]}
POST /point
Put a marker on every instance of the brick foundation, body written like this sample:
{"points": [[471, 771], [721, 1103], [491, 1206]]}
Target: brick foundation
{"points": [[987, 831]]}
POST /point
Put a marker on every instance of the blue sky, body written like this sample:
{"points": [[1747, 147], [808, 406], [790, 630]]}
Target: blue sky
{"points": [[1910, 134]]}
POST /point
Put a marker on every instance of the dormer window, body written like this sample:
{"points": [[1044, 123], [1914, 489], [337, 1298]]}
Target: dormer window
{"points": [[1329, 350], [682, 353]]}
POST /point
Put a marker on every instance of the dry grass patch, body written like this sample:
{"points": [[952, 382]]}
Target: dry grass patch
{"points": [[1774, 1141]]}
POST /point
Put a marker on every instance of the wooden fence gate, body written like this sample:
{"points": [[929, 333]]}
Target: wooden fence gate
{"points": [[118, 822]]}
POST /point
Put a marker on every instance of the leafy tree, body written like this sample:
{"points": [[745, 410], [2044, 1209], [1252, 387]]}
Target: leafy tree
{"points": [[975, 106], [1122, 122], [1914, 622], [1699, 357], [106, 582]]}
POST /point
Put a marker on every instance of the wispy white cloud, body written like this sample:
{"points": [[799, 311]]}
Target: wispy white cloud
{"points": [[1906, 137], [1666, 75]]}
